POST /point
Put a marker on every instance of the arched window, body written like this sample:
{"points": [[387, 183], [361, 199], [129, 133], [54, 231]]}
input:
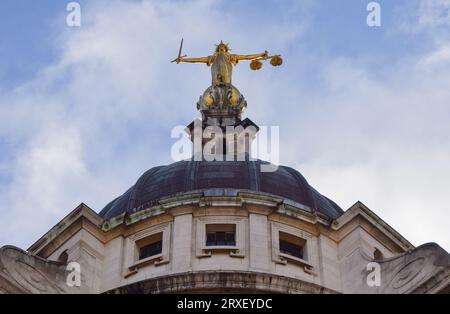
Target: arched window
{"points": [[377, 255], [63, 257]]}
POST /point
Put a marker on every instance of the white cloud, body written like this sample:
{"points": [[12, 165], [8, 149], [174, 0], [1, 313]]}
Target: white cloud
{"points": [[383, 140], [437, 59], [434, 13], [88, 125], [430, 17], [102, 114]]}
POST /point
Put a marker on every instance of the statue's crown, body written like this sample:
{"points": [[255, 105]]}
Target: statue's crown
{"points": [[222, 45]]}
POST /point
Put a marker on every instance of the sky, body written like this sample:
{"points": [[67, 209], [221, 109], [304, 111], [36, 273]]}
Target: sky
{"points": [[363, 111]]}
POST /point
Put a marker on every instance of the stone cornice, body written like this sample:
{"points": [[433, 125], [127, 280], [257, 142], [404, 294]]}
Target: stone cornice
{"points": [[222, 282], [73, 220], [241, 204], [360, 210]]}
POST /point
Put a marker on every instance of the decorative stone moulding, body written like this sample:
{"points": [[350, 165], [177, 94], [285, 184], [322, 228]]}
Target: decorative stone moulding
{"points": [[221, 97], [132, 261], [238, 250], [219, 198], [283, 259]]}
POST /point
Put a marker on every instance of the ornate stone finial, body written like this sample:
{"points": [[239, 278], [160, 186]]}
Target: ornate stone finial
{"points": [[221, 104]]}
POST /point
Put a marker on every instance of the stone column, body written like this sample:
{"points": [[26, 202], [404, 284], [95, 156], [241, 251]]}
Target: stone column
{"points": [[182, 243], [259, 242]]}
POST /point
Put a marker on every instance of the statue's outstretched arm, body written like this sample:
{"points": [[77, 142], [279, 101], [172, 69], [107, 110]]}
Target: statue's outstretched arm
{"points": [[265, 54], [194, 60]]}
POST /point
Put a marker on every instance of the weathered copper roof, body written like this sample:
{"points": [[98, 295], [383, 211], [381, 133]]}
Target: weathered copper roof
{"points": [[187, 176]]}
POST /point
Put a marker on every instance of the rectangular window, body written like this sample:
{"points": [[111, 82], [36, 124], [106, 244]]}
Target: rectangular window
{"points": [[150, 246], [291, 245], [221, 235]]}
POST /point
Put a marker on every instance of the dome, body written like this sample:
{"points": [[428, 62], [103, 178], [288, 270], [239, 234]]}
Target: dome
{"points": [[189, 176]]}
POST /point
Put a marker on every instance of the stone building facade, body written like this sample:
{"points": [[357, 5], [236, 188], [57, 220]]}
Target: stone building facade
{"points": [[224, 226]]}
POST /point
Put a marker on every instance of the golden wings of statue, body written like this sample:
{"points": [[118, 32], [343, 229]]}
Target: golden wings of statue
{"points": [[222, 62]]}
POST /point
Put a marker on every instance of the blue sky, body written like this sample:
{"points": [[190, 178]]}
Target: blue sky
{"points": [[28, 31], [84, 111]]}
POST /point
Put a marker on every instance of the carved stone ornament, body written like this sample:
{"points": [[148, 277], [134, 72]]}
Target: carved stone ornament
{"points": [[21, 272], [220, 97]]}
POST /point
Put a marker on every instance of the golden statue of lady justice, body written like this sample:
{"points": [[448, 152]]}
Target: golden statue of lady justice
{"points": [[222, 62]]}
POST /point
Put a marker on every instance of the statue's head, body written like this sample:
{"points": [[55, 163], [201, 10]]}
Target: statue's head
{"points": [[222, 47]]}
